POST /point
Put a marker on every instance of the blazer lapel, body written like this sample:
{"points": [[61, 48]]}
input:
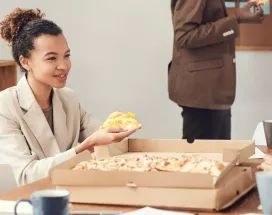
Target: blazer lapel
{"points": [[60, 126], [36, 120]]}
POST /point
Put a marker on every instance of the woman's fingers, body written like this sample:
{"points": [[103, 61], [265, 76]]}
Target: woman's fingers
{"points": [[265, 166], [123, 135], [115, 130]]}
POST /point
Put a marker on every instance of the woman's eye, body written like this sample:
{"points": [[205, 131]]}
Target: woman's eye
{"points": [[68, 55], [51, 58]]}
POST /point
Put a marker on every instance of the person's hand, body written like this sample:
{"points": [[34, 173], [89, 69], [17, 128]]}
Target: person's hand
{"points": [[104, 137], [266, 165], [244, 15]]}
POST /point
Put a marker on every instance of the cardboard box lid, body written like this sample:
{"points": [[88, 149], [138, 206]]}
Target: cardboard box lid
{"points": [[234, 186]]}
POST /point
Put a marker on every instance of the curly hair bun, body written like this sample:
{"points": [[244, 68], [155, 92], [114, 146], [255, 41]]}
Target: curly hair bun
{"points": [[16, 20]]}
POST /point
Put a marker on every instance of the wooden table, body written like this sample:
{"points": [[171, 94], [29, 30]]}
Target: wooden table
{"points": [[247, 204]]}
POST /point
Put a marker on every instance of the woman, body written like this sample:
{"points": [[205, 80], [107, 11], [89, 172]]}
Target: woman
{"points": [[41, 122]]}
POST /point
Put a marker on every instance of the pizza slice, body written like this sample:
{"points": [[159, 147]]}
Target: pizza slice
{"points": [[202, 164], [121, 120], [170, 164], [262, 2]]}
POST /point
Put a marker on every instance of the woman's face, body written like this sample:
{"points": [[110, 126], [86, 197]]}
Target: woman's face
{"points": [[50, 62]]}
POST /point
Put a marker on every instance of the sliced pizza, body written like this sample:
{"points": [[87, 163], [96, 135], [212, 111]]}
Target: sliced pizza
{"points": [[146, 163]]}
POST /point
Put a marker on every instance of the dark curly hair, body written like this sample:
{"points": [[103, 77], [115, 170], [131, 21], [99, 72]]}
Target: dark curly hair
{"points": [[21, 27]]}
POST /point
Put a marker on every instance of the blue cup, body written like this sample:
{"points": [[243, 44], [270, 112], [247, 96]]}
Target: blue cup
{"points": [[47, 202], [264, 185]]}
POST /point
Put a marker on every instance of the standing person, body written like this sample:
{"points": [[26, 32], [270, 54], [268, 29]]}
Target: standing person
{"points": [[201, 75], [41, 122]]}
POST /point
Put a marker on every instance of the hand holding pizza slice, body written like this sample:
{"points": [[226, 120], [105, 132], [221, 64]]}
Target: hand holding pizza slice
{"points": [[117, 127]]}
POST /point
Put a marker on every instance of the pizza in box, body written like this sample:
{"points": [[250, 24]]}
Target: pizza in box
{"points": [[193, 163], [146, 163]]}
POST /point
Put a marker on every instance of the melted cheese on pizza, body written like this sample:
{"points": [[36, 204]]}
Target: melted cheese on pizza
{"points": [[121, 120], [262, 2], [146, 163]]}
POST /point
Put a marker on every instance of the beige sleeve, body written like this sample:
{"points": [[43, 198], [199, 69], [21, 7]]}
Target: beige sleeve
{"points": [[15, 152]]}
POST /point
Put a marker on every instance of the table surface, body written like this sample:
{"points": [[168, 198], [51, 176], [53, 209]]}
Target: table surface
{"points": [[248, 204]]}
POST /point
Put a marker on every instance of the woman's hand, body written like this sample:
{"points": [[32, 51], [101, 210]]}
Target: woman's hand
{"points": [[267, 164], [104, 137]]}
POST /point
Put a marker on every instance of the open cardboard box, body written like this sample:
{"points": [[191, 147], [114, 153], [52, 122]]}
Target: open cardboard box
{"points": [[196, 191]]}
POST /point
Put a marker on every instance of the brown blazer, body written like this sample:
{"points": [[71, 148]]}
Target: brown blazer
{"points": [[202, 73]]}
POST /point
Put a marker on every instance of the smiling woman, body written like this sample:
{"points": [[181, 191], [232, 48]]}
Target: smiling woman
{"points": [[41, 122]]}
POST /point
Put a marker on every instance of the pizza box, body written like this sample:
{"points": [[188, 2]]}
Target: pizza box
{"points": [[161, 189]]}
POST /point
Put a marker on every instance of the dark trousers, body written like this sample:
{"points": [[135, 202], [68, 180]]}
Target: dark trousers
{"points": [[206, 124]]}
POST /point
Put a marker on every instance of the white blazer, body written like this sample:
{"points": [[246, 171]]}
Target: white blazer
{"points": [[26, 140]]}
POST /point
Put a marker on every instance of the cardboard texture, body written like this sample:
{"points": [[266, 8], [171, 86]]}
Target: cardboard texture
{"points": [[196, 191]]}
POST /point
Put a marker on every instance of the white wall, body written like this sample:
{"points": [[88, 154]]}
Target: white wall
{"points": [[120, 51]]}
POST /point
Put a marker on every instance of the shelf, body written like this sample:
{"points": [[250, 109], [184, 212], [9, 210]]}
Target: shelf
{"points": [[8, 74], [4, 63]]}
